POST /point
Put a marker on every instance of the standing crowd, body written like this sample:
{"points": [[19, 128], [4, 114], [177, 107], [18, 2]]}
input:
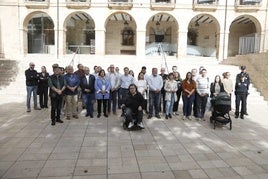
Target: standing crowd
{"points": [[146, 94]]}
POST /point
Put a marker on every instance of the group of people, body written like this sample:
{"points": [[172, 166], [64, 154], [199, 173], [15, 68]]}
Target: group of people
{"points": [[113, 90]]}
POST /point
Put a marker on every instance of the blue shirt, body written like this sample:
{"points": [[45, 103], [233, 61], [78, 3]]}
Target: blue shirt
{"points": [[72, 80]]}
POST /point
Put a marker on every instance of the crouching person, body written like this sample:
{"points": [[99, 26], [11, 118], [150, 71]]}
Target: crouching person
{"points": [[132, 106]]}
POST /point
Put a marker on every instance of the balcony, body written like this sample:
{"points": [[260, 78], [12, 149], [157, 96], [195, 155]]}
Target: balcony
{"points": [[205, 5], [247, 5], [163, 5], [120, 4], [78, 4], [37, 4]]}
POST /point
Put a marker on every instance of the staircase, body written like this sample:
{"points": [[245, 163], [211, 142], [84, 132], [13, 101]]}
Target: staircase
{"points": [[8, 72]]}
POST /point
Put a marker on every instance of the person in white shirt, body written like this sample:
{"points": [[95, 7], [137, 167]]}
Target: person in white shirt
{"points": [[171, 88], [142, 88]]}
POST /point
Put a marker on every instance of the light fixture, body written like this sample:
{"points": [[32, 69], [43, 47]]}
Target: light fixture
{"points": [[196, 24], [157, 23], [125, 23]]}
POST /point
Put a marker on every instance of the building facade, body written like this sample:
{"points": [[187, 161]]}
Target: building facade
{"points": [[141, 28]]}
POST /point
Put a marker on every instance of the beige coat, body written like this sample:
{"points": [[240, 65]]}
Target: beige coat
{"points": [[169, 87]]}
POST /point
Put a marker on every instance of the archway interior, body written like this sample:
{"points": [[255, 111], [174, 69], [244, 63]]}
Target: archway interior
{"points": [[161, 30], [243, 37], [203, 36], [120, 34], [80, 34], [40, 34]]}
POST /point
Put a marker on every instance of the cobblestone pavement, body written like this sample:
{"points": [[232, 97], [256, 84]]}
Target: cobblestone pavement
{"points": [[100, 148]]}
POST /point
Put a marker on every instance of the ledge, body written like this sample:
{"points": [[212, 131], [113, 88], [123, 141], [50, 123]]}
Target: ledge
{"points": [[163, 6], [37, 4]]}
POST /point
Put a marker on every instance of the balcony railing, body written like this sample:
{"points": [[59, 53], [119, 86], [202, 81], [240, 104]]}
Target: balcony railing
{"points": [[247, 5], [78, 4], [163, 4], [207, 5], [120, 4], [37, 4]]}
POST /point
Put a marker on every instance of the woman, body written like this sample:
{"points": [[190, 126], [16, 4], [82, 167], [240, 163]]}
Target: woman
{"points": [[216, 87], [43, 87], [171, 88], [177, 78], [131, 72], [102, 90], [227, 83], [188, 95], [142, 88]]}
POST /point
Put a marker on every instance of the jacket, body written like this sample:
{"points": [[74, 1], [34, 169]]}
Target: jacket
{"points": [[100, 84], [31, 77], [171, 86], [56, 81], [88, 85], [134, 101]]}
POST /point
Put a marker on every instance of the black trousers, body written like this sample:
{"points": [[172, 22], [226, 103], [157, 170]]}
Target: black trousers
{"points": [[130, 115], [104, 103], [56, 103], [43, 96], [240, 98]]}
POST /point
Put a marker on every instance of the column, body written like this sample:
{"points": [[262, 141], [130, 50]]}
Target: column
{"points": [[62, 43], [140, 42], [182, 43], [223, 45], [100, 42]]}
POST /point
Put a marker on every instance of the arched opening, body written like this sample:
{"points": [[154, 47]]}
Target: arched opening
{"points": [[80, 34], [203, 36], [244, 36], [40, 34], [162, 29], [120, 34]]}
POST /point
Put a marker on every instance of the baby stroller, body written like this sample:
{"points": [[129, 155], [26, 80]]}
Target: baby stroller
{"points": [[221, 106]]}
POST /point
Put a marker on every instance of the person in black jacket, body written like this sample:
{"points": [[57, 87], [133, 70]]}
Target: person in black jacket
{"points": [[88, 91], [57, 86], [216, 87], [43, 87], [31, 84], [132, 106], [241, 91]]}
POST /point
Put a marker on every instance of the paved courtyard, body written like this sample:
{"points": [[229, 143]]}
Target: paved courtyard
{"points": [[87, 148]]}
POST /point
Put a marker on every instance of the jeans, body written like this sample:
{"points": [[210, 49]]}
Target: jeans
{"points": [[154, 102], [88, 99], [201, 103], [187, 104], [169, 104], [112, 101], [130, 116], [31, 89]]}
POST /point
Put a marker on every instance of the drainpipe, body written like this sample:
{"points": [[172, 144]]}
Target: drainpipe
{"points": [[58, 29], [225, 16], [265, 27]]}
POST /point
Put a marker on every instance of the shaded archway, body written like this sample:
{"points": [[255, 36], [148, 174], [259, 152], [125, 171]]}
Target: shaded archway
{"points": [[244, 36], [120, 37], [80, 33], [203, 36], [40, 33], [162, 28]]}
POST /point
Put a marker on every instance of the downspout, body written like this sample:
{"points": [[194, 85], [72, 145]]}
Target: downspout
{"points": [[224, 36], [58, 29], [265, 26]]}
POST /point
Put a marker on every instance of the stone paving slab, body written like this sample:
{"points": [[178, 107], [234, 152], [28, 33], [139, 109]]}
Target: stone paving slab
{"points": [[88, 148]]}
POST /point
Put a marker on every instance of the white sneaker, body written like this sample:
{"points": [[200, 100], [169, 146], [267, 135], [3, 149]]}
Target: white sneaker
{"points": [[140, 124], [184, 118], [130, 125], [189, 117]]}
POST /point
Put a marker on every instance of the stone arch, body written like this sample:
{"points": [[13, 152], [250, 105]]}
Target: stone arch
{"points": [[120, 35], [38, 34], [203, 36], [162, 28], [244, 35], [79, 36]]}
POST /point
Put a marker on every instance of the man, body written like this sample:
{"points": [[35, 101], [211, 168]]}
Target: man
{"points": [[155, 83], [143, 70], [132, 106], [31, 86], [88, 91], [241, 90], [57, 85], [114, 79], [202, 92], [72, 83], [247, 80], [125, 81], [174, 69], [163, 91], [96, 71], [80, 71]]}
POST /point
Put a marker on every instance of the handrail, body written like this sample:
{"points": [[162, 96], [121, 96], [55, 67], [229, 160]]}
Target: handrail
{"points": [[76, 52], [161, 51]]}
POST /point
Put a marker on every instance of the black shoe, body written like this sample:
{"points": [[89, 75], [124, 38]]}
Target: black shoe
{"points": [[98, 116], [170, 116], [105, 115], [246, 113], [86, 115], [59, 121], [241, 117], [53, 123], [37, 108], [158, 116], [45, 107], [166, 116], [91, 116], [236, 116], [149, 117]]}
